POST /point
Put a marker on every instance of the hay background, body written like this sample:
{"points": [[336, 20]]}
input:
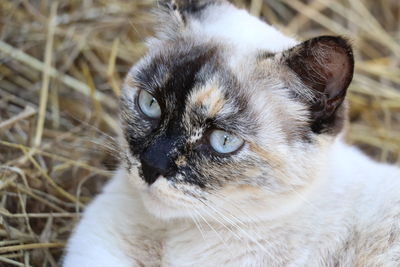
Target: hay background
{"points": [[61, 66]]}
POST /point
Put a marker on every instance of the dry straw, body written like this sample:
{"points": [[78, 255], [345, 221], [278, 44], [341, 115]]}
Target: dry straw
{"points": [[61, 67]]}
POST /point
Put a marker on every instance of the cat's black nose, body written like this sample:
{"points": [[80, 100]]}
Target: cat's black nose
{"points": [[156, 160], [153, 169]]}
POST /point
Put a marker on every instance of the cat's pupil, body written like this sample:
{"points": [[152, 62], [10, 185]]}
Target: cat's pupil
{"points": [[152, 102], [226, 139]]}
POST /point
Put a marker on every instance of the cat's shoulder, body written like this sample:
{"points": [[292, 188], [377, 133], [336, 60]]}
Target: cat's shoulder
{"points": [[353, 165], [375, 186]]}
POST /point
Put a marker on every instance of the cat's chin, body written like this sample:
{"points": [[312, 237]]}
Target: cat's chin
{"points": [[164, 202]]}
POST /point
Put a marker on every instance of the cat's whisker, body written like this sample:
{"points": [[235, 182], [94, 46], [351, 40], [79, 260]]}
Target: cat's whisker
{"points": [[212, 228], [236, 226], [249, 236], [240, 229], [254, 233], [306, 201], [198, 226], [251, 218], [248, 217], [91, 126], [106, 141], [109, 147], [222, 223]]}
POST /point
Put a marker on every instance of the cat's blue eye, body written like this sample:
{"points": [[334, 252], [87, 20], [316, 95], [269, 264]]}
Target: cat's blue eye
{"points": [[149, 105], [224, 142]]}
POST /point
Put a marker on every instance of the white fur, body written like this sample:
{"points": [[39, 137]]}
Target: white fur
{"points": [[355, 190], [132, 224], [235, 26]]}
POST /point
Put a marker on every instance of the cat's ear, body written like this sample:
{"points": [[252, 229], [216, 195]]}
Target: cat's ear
{"points": [[325, 67]]}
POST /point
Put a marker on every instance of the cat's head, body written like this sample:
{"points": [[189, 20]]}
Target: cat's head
{"points": [[225, 115]]}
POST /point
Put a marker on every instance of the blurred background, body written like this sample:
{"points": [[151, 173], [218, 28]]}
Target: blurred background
{"points": [[61, 68]]}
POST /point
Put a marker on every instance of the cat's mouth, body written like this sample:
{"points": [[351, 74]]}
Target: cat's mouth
{"points": [[165, 200]]}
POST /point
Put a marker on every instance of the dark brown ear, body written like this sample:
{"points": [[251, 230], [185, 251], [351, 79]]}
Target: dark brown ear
{"points": [[325, 65]]}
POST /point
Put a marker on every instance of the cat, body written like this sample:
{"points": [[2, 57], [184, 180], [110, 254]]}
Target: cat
{"points": [[233, 154]]}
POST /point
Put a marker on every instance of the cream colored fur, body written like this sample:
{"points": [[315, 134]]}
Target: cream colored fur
{"points": [[351, 218], [343, 210]]}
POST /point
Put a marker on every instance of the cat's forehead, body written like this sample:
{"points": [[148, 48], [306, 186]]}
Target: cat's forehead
{"points": [[191, 78], [175, 67]]}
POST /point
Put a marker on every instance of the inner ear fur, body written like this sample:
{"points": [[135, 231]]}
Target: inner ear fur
{"points": [[325, 66]]}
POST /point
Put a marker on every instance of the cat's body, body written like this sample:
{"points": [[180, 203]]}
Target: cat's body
{"points": [[351, 219], [292, 194]]}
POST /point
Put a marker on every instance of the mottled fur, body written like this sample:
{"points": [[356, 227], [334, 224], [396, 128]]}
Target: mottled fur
{"points": [[293, 195]]}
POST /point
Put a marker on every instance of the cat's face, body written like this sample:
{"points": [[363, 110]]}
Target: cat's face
{"points": [[211, 131]]}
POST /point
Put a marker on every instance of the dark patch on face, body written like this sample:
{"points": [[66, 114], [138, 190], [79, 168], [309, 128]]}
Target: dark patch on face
{"points": [[183, 68], [170, 77]]}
